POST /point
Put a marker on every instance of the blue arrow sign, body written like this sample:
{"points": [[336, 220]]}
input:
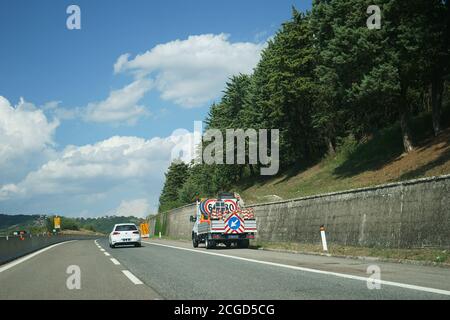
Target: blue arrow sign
{"points": [[234, 223]]}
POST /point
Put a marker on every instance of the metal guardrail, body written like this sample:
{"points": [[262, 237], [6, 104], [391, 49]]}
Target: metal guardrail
{"points": [[13, 247]]}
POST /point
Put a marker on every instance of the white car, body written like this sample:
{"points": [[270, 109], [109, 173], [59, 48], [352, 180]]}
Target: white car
{"points": [[125, 234]]}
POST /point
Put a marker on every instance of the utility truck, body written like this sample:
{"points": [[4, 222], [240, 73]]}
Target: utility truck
{"points": [[223, 220]]}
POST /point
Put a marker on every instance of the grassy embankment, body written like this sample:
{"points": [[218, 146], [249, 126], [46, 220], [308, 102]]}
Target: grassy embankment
{"points": [[424, 255], [378, 160]]}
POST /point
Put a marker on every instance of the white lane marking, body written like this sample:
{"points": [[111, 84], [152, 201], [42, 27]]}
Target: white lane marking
{"points": [[115, 261], [106, 254], [132, 277], [102, 250], [31, 255], [336, 274]]}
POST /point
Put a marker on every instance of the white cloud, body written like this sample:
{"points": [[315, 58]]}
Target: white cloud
{"points": [[8, 190], [188, 72], [23, 128], [26, 136], [123, 59], [51, 105], [194, 71], [97, 177], [92, 178], [100, 167], [138, 208], [120, 106]]}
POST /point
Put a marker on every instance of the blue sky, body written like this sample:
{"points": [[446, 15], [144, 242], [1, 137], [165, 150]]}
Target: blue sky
{"points": [[64, 94]]}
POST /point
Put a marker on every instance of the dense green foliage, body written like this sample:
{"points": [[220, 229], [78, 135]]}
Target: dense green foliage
{"points": [[100, 224], [325, 76], [175, 177], [21, 222]]}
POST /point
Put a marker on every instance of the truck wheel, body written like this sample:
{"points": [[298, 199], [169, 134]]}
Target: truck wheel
{"points": [[194, 241], [209, 243], [244, 244], [228, 244]]}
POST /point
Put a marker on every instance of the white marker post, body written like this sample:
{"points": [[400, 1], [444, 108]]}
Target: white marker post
{"points": [[324, 238], [160, 234]]}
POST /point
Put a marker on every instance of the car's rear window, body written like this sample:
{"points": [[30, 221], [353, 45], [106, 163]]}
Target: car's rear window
{"points": [[128, 227]]}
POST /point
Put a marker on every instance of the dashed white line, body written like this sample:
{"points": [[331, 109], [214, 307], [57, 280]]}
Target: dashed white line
{"points": [[132, 277], [127, 273], [341, 275]]}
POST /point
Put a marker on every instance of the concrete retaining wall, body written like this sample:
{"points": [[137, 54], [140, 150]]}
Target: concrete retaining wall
{"points": [[175, 223], [413, 213], [13, 247]]}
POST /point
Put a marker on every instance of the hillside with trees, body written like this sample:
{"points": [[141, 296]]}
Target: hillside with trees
{"points": [[347, 100]]}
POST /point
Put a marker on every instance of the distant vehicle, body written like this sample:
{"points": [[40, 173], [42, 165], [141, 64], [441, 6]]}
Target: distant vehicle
{"points": [[223, 220], [19, 233], [125, 234]]}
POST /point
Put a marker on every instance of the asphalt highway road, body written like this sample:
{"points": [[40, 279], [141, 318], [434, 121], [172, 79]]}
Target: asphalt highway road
{"points": [[163, 269]]}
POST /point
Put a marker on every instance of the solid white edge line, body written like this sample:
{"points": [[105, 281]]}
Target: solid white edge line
{"points": [[31, 255], [106, 254], [115, 261], [341, 275], [132, 277]]}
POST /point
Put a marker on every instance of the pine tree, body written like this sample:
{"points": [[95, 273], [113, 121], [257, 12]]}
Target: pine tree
{"points": [[175, 177]]}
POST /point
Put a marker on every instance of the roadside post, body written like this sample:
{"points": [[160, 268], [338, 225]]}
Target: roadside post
{"points": [[324, 238], [160, 234]]}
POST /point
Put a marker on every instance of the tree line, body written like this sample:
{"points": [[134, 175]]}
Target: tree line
{"points": [[324, 76]]}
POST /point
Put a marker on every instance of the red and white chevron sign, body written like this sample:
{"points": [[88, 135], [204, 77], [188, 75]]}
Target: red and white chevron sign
{"points": [[234, 224]]}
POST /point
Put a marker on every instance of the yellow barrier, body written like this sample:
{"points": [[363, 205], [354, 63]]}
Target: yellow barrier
{"points": [[145, 230], [57, 222]]}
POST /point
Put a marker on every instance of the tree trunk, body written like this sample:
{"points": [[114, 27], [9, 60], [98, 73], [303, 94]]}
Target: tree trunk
{"points": [[437, 88], [330, 146], [404, 116]]}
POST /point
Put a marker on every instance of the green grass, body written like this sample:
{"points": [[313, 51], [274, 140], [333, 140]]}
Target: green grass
{"points": [[428, 255]]}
